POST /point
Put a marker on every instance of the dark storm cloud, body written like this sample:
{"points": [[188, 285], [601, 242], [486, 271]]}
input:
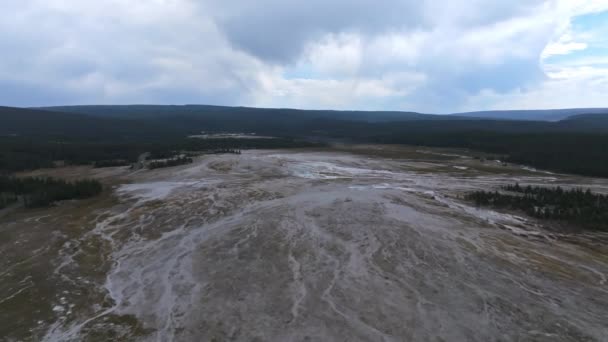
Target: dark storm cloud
{"points": [[277, 30]]}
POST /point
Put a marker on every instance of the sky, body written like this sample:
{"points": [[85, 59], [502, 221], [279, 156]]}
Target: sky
{"points": [[410, 55]]}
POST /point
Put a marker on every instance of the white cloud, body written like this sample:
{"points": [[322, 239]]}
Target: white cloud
{"points": [[573, 92], [564, 45], [347, 93], [334, 55], [348, 54], [123, 51]]}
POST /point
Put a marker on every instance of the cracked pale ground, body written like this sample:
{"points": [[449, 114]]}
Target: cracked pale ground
{"points": [[301, 246]]}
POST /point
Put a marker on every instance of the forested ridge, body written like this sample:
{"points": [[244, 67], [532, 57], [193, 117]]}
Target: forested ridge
{"points": [[117, 135], [225, 112], [579, 207]]}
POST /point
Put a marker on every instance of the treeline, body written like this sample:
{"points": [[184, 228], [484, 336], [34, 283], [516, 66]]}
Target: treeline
{"points": [[125, 132], [40, 192], [111, 163], [157, 164], [577, 153], [171, 161], [557, 147], [227, 151], [18, 153], [580, 207]]}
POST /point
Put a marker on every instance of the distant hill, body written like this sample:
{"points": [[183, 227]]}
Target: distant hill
{"points": [[587, 122], [161, 120], [588, 118], [575, 144], [533, 115], [223, 113], [165, 119], [23, 122], [241, 113], [20, 121]]}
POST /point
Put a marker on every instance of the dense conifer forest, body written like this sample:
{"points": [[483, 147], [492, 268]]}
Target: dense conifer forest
{"points": [[118, 135], [111, 163], [19, 153], [579, 207], [40, 192], [157, 164], [577, 153]]}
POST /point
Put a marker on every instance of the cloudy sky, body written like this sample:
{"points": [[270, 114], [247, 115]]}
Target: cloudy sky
{"points": [[428, 56]]}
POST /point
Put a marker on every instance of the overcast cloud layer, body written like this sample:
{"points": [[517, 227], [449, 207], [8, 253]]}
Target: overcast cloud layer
{"points": [[428, 56]]}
